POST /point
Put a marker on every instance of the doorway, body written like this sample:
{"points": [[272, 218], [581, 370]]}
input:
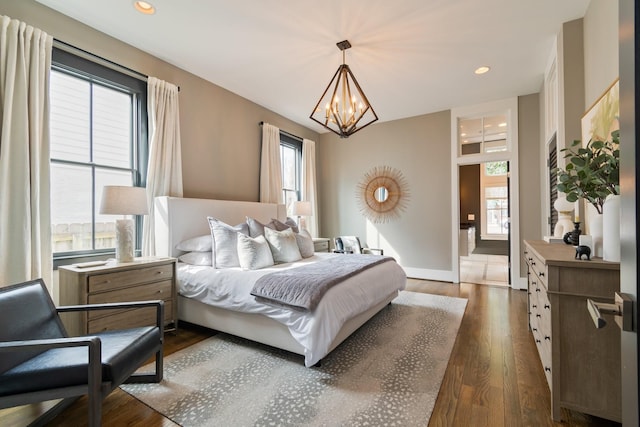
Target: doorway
{"points": [[484, 223]]}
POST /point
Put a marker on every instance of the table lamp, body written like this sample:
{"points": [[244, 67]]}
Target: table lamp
{"points": [[300, 209], [120, 200]]}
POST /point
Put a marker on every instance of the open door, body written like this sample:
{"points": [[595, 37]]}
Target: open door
{"points": [[629, 38]]}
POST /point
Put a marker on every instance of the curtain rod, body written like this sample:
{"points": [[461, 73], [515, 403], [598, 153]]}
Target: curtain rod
{"points": [[99, 59], [287, 133]]}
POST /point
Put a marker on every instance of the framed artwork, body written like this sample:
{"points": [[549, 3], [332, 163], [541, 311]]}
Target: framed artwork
{"points": [[602, 118]]}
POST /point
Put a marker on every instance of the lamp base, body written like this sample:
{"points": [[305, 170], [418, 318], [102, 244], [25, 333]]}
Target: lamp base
{"points": [[124, 240]]}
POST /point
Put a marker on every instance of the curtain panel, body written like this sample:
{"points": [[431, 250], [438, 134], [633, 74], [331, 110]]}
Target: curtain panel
{"points": [[309, 192], [270, 166], [25, 206], [164, 173]]}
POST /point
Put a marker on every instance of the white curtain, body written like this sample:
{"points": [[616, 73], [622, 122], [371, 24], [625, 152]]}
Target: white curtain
{"points": [[164, 174], [270, 167], [25, 208], [309, 192]]}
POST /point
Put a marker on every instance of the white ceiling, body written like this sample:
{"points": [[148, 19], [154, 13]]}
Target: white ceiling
{"points": [[411, 57]]}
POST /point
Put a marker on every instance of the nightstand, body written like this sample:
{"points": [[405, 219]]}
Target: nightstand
{"points": [[151, 278], [321, 244]]}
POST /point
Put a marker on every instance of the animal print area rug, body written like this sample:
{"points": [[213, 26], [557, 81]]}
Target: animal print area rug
{"points": [[387, 373]]}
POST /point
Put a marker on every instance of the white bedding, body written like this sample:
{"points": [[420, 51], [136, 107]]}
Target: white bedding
{"points": [[230, 289]]}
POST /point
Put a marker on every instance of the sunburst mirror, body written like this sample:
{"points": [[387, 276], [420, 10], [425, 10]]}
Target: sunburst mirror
{"points": [[383, 194]]}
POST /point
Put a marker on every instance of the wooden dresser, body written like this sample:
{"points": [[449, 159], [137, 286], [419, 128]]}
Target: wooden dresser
{"points": [[581, 363], [143, 279]]}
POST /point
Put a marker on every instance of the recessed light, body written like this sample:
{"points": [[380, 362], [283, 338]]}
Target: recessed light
{"points": [[144, 7], [482, 70]]}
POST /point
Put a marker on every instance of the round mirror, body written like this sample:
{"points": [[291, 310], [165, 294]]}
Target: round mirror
{"points": [[381, 194]]}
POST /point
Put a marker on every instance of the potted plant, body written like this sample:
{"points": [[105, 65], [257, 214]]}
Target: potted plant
{"points": [[593, 172]]}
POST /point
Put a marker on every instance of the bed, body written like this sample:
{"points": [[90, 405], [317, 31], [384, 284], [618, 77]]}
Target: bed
{"points": [[312, 334]]}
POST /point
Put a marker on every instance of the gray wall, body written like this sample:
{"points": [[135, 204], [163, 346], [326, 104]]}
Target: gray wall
{"points": [[600, 48], [420, 148], [219, 130]]}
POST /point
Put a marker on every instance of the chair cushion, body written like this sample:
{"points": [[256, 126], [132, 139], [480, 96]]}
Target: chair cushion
{"points": [[123, 351]]}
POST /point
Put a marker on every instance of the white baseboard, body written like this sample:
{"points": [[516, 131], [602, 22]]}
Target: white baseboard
{"points": [[426, 274], [447, 276]]}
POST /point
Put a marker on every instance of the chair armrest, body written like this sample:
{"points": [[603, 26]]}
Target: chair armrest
{"points": [[372, 250], [159, 304], [45, 344], [342, 251]]}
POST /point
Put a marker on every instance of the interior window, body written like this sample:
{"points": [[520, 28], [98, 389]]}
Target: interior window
{"points": [[291, 161], [98, 138]]}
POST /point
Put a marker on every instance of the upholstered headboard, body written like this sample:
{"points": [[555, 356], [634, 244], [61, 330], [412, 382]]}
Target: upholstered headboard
{"points": [[178, 219]]}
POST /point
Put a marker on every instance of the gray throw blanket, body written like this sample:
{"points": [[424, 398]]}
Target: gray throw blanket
{"points": [[303, 287]]}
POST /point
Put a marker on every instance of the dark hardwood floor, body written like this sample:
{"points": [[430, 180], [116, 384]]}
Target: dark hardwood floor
{"points": [[494, 377]]}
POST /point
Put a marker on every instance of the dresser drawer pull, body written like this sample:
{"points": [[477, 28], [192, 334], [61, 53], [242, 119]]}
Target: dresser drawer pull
{"points": [[534, 329], [547, 369], [538, 315], [534, 306], [547, 337], [537, 289], [547, 306], [538, 341], [541, 273]]}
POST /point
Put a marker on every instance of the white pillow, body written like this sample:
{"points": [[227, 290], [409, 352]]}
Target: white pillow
{"points": [[254, 254], [225, 242], [305, 244], [196, 244], [197, 258], [283, 245]]}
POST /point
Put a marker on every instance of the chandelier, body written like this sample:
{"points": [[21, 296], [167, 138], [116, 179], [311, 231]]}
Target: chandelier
{"points": [[346, 107]]}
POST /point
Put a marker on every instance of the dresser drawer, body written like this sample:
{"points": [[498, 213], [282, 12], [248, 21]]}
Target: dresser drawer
{"points": [[124, 319], [150, 291], [107, 281]]}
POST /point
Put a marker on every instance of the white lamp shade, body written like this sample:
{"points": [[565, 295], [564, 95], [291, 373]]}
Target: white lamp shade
{"points": [[120, 200], [302, 208]]}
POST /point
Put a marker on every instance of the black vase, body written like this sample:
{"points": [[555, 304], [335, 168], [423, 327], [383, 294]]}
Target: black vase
{"points": [[573, 237]]}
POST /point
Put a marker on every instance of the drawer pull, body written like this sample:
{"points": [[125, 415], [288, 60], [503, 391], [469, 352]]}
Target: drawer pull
{"points": [[533, 263], [547, 337], [538, 341], [538, 315], [541, 273], [535, 329], [547, 306], [537, 289], [547, 369], [535, 306], [533, 282]]}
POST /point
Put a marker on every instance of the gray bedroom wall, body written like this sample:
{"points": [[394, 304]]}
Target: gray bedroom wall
{"points": [[219, 130], [529, 148], [600, 48], [420, 148]]}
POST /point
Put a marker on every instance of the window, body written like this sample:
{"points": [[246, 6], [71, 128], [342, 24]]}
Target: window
{"points": [[291, 160], [495, 199], [482, 135], [98, 138], [497, 205]]}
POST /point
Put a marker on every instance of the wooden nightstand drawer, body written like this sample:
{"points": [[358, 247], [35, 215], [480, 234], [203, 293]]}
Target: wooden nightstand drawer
{"points": [[129, 319], [150, 291], [321, 244], [108, 281]]}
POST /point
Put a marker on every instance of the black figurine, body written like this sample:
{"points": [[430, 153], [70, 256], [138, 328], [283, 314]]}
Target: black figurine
{"points": [[583, 250]]}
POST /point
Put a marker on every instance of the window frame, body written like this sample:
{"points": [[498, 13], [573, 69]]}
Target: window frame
{"points": [[97, 74], [291, 142]]}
